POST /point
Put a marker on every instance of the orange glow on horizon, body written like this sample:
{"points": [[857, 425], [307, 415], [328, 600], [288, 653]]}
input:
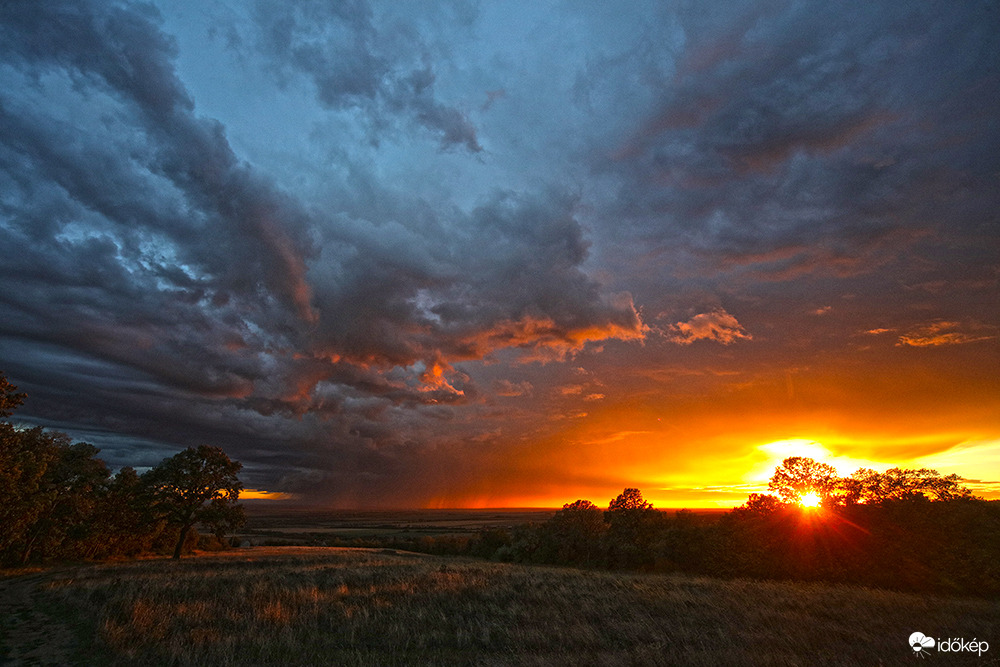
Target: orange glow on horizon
{"points": [[597, 464], [257, 494]]}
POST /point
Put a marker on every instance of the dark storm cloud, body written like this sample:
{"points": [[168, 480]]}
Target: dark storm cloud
{"points": [[343, 271], [157, 286], [806, 137], [353, 63], [117, 235], [505, 275], [119, 53]]}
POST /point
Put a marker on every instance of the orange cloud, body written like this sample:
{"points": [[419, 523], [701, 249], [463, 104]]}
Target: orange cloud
{"points": [[717, 325], [943, 333], [546, 340], [433, 378]]}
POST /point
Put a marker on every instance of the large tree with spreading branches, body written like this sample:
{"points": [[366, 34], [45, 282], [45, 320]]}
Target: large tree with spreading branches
{"points": [[197, 486]]}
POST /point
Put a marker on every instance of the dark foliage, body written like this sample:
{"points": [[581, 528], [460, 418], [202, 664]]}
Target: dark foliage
{"points": [[58, 501], [948, 546], [906, 541], [10, 399], [198, 485]]}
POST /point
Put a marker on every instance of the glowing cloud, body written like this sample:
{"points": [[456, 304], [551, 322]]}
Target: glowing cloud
{"points": [[717, 325], [942, 333], [975, 461]]}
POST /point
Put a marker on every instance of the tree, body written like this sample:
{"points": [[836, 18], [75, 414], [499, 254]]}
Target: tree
{"points": [[575, 532], [632, 524], [198, 485], [25, 458], [124, 521], [869, 486], [48, 490], [629, 500], [863, 485], [75, 483], [799, 475], [49, 487], [9, 398], [759, 504]]}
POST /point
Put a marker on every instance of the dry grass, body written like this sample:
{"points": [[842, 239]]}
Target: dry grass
{"points": [[365, 607]]}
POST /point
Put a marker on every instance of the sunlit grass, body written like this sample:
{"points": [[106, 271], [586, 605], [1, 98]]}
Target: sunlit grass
{"points": [[359, 607]]}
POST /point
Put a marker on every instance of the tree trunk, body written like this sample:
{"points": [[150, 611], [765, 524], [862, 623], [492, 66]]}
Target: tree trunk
{"points": [[180, 541]]}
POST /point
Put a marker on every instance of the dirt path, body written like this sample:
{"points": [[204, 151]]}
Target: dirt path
{"points": [[31, 634]]}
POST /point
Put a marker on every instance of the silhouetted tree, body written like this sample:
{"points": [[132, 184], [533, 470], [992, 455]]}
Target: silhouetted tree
{"points": [[124, 521], [903, 484], [575, 531], [759, 504], [687, 542], [863, 485], [628, 500], [632, 524], [58, 500], [49, 488], [198, 485], [869, 486], [10, 399], [74, 484], [909, 529], [799, 475]]}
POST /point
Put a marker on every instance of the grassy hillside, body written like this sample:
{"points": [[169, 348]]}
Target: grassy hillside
{"points": [[365, 607]]}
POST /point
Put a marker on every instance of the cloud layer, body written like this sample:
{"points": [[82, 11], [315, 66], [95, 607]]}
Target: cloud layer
{"points": [[372, 249]]}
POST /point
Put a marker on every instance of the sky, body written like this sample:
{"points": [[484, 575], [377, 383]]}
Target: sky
{"points": [[506, 254]]}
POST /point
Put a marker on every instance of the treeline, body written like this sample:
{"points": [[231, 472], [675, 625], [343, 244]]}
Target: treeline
{"points": [[58, 501], [896, 537]]}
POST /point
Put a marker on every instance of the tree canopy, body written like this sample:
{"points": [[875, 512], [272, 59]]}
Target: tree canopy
{"points": [[629, 499], [198, 485], [799, 475], [10, 399], [869, 486], [58, 500]]}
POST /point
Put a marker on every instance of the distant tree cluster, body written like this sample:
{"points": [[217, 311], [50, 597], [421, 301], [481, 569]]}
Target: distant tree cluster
{"points": [[798, 476], [901, 529], [59, 501]]}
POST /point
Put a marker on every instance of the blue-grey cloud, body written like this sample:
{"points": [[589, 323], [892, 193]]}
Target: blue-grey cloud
{"points": [[195, 299], [796, 138], [356, 242], [354, 63]]}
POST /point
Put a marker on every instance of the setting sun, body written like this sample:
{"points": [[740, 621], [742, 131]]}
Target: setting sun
{"points": [[810, 500]]}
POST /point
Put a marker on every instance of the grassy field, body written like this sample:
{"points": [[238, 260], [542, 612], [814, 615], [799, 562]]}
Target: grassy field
{"points": [[328, 606], [308, 526]]}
